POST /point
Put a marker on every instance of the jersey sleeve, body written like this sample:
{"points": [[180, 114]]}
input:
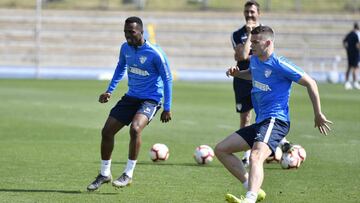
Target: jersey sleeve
{"points": [[232, 38], [119, 71], [236, 37], [162, 65], [289, 70]]}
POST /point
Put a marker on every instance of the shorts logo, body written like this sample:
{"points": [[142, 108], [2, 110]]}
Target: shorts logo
{"points": [[267, 73], [239, 106], [147, 110], [142, 59]]}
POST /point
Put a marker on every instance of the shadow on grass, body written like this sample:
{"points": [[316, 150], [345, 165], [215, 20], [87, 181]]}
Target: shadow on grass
{"points": [[54, 191], [267, 166], [169, 164]]}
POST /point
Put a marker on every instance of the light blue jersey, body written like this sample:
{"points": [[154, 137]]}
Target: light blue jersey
{"points": [[149, 75], [272, 85]]}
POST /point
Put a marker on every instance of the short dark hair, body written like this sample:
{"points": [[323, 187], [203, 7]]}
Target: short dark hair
{"points": [[253, 3], [134, 19], [264, 31]]}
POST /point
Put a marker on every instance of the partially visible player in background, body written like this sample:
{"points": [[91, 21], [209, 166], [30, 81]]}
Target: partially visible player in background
{"points": [[242, 88], [352, 45], [149, 80]]}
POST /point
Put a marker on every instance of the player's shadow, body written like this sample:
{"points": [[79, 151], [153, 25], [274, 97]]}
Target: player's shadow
{"points": [[168, 164], [52, 191], [41, 190]]}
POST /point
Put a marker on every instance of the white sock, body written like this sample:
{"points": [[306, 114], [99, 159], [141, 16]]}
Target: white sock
{"points": [[246, 185], [105, 167], [251, 196], [247, 154], [283, 141], [130, 166]]}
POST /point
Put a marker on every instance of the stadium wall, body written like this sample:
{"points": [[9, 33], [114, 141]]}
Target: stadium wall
{"points": [[85, 44]]}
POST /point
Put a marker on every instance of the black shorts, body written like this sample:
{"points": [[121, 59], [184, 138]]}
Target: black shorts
{"points": [[353, 59], [270, 131], [242, 91], [125, 110]]}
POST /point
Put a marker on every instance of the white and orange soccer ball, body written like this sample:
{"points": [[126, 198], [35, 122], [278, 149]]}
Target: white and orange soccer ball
{"points": [[159, 152], [276, 157], [204, 154], [300, 151], [293, 157]]}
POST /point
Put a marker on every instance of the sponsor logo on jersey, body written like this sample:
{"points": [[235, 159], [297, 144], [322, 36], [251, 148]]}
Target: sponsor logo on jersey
{"points": [[267, 73], [138, 71], [261, 86], [142, 59]]}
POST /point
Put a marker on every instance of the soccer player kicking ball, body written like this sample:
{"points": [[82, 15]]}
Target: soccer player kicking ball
{"points": [[149, 78], [271, 77]]}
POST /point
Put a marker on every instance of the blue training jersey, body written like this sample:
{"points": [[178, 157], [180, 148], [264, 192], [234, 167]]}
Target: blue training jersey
{"points": [[272, 85], [149, 75]]}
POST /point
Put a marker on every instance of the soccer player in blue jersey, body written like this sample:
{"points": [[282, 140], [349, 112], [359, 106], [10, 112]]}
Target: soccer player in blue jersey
{"points": [[149, 80], [271, 77]]}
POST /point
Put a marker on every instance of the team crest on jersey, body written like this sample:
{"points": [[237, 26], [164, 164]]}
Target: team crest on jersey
{"points": [[142, 59], [267, 73]]}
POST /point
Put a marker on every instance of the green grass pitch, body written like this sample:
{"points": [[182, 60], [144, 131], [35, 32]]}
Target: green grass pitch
{"points": [[50, 137]]}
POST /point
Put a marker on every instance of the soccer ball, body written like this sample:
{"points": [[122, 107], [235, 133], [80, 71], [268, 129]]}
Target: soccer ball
{"points": [[333, 77], [203, 154], [290, 160], [300, 151], [293, 158], [159, 152], [276, 157]]}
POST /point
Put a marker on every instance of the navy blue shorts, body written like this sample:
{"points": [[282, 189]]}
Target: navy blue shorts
{"points": [[242, 91], [353, 59], [270, 131], [125, 110]]}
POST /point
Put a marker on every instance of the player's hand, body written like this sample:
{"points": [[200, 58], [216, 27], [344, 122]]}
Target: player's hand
{"points": [[250, 25], [322, 123], [165, 116], [232, 71], [104, 97]]}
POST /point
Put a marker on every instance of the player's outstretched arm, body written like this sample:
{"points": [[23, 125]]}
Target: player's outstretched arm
{"points": [[104, 97], [165, 116], [320, 120]]}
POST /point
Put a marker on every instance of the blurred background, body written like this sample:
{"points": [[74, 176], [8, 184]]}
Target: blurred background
{"points": [[81, 39]]}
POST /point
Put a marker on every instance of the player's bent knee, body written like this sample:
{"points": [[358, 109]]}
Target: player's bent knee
{"points": [[107, 134], [217, 150], [135, 131], [220, 149], [257, 156]]}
